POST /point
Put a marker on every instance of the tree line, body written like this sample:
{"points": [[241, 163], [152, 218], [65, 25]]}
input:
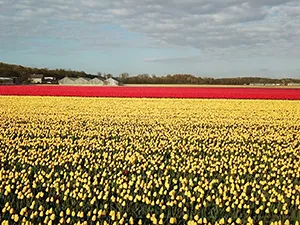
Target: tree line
{"points": [[191, 79], [22, 74]]}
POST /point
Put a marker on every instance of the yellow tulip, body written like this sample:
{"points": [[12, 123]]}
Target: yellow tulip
{"points": [[173, 220]]}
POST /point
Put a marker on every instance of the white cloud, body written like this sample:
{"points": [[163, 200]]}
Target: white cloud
{"points": [[234, 28], [121, 12], [187, 59]]}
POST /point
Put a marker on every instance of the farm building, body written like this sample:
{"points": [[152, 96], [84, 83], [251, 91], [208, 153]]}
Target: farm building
{"points": [[276, 84], [87, 81], [257, 84], [49, 80], [293, 84], [81, 81], [74, 81], [36, 78], [67, 81], [96, 81], [111, 82], [6, 80]]}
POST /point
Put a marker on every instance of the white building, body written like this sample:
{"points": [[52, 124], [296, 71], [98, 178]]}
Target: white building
{"points": [[67, 81], [87, 81], [111, 82], [49, 80], [96, 82], [7, 80], [81, 81], [272, 84], [257, 84], [36, 78]]}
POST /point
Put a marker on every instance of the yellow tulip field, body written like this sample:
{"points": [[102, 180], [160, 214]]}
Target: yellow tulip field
{"points": [[69, 160]]}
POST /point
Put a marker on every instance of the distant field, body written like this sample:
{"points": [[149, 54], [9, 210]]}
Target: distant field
{"points": [[155, 92], [207, 85]]}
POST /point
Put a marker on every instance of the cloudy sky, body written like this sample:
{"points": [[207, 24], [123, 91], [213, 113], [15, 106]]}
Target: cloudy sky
{"points": [[218, 38]]}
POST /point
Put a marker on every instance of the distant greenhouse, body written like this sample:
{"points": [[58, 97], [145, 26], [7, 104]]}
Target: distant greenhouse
{"points": [[111, 82], [67, 81], [96, 81], [81, 81], [87, 81]]}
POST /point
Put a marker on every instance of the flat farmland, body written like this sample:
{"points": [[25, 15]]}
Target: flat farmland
{"points": [[155, 92], [214, 86], [74, 160]]}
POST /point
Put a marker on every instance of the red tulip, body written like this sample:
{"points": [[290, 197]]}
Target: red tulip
{"points": [[126, 172]]}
